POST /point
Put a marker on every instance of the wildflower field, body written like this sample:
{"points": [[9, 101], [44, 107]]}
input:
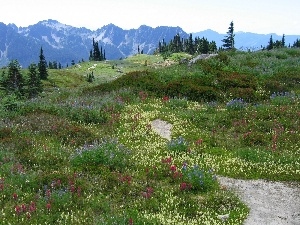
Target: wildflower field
{"points": [[87, 153]]}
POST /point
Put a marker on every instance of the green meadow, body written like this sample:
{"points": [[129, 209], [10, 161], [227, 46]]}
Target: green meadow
{"points": [[85, 152]]}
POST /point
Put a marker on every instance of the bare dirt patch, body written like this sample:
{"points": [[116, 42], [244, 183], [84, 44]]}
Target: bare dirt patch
{"points": [[271, 203]]}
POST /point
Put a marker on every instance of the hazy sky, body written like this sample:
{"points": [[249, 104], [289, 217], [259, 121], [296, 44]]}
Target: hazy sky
{"points": [[259, 16]]}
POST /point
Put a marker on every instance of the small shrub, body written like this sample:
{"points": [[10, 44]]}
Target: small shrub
{"points": [[283, 98], [90, 77], [106, 153], [254, 139], [253, 155], [236, 104], [178, 145], [199, 179], [175, 103]]}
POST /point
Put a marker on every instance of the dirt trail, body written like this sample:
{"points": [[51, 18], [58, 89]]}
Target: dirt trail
{"points": [[270, 203]]}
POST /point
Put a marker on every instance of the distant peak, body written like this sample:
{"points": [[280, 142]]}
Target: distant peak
{"points": [[49, 21]]}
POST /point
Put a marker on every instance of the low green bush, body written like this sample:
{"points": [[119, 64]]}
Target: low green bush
{"points": [[107, 153]]}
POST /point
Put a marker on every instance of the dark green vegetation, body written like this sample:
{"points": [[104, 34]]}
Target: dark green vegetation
{"points": [[84, 152]]}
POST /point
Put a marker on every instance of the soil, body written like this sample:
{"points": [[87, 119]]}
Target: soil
{"points": [[270, 203]]}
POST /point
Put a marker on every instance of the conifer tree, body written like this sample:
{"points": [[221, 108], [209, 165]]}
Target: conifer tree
{"points": [[190, 49], [3, 80], [212, 46], [283, 41], [229, 38], [34, 81], [14, 83], [271, 43], [296, 44], [42, 66]]}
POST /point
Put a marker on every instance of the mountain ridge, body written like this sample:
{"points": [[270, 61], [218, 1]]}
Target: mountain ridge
{"points": [[64, 43]]}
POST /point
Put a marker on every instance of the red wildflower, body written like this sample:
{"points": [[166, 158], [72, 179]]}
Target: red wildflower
{"points": [[165, 99], [147, 194], [199, 141], [130, 221], [177, 175], [78, 191], [18, 210], [185, 186], [167, 160], [72, 188], [15, 196], [48, 206], [32, 207], [24, 207], [173, 168], [48, 193]]}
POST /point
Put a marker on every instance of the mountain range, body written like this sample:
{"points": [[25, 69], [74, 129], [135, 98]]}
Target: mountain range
{"points": [[63, 43]]}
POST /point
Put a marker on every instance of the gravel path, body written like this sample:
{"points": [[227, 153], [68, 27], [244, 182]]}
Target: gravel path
{"points": [[270, 203]]}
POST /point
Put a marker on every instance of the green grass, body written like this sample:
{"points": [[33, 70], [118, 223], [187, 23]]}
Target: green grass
{"points": [[85, 152]]}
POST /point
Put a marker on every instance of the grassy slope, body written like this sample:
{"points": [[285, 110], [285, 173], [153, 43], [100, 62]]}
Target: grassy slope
{"points": [[40, 139]]}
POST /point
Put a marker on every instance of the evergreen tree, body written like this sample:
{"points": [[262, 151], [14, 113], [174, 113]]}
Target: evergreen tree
{"points": [[34, 83], [277, 44], [91, 55], [271, 43], [229, 38], [42, 66], [296, 44], [3, 80], [97, 54], [14, 82], [190, 45], [50, 66], [283, 41], [212, 47], [55, 65]]}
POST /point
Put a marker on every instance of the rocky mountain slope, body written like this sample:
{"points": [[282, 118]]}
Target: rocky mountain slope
{"points": [[63, 43]]}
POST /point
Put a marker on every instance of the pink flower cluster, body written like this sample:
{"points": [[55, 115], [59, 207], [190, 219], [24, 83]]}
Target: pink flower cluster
{"points": [[185, 186], [25, 209]]}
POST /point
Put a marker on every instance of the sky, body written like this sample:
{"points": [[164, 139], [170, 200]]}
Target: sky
{"points": [[257, 16]]}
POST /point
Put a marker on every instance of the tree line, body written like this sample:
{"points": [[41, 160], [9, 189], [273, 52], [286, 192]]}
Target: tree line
{"points": [[189, 45], [195, 45], [281, 43], [14, 82]]}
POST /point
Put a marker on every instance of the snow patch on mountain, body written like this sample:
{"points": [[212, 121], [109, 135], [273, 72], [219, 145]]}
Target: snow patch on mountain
{"points": [[107, 41], [55, 25], [45, 38]]}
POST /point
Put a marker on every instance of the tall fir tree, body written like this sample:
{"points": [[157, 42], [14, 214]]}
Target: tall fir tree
{"points": [[229, 38], [283, 41], [42, 66], [271, 43], [34, 83], [97, 54], [190, 44]]}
